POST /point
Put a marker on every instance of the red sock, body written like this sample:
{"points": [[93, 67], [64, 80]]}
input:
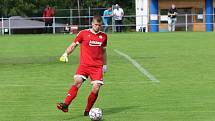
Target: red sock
{"points": [[91, 100], [71, 94]]}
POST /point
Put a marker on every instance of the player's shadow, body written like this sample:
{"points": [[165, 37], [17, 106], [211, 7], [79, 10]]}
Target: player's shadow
{"points": [[33, 60], [108, 111], [73, 118]]}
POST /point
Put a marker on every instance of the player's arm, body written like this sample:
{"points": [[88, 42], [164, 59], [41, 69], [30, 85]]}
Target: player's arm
{"points": [[104, 57], [114, 12], [69, 50], [169, 14], [122, 12], [175, 13]]}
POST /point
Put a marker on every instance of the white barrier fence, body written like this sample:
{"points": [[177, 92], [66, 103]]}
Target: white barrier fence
{"points": [[17, 24]]}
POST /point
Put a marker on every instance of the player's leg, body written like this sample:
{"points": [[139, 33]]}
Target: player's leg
{"points": [[72, 93], [105, 25], [46, 27], [117, 25], [92, 97], [73, 90], [120, 27], [97, 82], [80, 76], [169, 24], [106, 28], [173, 23], [51, 26]]}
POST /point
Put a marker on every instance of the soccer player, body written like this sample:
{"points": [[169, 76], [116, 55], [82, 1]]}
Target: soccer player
{"points": [[93, 62]]}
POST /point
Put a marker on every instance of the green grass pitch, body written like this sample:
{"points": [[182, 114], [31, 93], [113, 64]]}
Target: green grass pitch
{"points": [[32, 80]]}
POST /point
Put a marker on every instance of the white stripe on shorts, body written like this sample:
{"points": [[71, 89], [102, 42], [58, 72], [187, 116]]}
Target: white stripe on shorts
{"points": [[97, 81], [78, 75]]}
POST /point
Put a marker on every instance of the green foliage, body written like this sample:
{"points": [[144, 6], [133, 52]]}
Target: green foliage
{"points": [[17, 7], [35, 7]]}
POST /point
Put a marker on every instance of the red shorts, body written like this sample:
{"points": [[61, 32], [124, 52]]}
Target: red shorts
{"points": [[95, 73]]}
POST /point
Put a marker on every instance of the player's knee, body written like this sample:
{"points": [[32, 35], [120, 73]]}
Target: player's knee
{"points": [[78, 81], [96, 88]]}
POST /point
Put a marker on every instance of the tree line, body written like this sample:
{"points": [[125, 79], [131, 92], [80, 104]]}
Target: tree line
{"points": [[34, 8]]}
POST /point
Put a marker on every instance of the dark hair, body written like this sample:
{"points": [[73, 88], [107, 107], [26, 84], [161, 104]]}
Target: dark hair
{"points": [[97, 18]]}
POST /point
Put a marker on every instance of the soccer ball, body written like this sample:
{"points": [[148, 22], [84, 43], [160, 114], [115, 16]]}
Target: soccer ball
{"points": [[95, 114]]}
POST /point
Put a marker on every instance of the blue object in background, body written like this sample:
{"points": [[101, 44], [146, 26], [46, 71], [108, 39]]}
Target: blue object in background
{"points": [[209, 15], [154, 15]]}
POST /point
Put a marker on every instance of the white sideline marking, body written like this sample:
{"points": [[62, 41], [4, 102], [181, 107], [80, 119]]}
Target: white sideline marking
{"points": [[138, 66]]}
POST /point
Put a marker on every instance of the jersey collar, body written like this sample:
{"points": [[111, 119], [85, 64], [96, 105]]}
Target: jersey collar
{"points": [[94, 32]]}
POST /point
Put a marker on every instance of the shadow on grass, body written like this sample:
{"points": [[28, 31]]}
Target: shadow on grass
{"points": [[106, 111], [112, 110], [32, 60], [71, 117]]}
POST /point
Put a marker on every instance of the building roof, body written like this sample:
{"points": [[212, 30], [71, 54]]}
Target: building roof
{"points": [[18, 22]]}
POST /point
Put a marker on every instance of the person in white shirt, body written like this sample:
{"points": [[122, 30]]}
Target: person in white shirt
{"points": [[118, 14]]}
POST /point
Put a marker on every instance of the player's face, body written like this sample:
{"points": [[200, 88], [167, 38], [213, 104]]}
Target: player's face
{"points": [[96, 26], [173, 6]]}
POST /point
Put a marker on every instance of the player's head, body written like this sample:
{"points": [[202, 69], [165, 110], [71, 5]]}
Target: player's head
{"points": [[173, 6], [117, 6], [96, 23]]}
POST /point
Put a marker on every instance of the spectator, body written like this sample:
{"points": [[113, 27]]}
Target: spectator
{"points": [[172, 14], [118, 14], [106, 18], [48, 15], [67, 28]]}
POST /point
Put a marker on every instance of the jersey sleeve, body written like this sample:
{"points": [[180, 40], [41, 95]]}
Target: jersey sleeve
{"points": [[79, 38]]}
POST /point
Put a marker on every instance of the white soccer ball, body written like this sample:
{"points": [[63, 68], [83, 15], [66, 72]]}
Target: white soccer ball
{"points": [[95, 114]]}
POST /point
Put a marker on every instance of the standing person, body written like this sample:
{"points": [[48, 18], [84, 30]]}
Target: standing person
{"points": [[118, 14], [67, 28], [172, 14], [93, 62], [106, 18], [48, 13]]}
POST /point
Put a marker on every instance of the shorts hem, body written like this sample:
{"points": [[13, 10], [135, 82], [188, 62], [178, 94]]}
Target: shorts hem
{"points": [[97, 81], [82, 76]]}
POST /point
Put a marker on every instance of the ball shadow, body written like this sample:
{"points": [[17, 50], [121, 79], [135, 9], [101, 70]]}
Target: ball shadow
{"points": [[112, 110]]}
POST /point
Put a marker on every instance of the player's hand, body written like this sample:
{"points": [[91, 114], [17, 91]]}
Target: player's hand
{"points": [[104, 68], [64, 58]]}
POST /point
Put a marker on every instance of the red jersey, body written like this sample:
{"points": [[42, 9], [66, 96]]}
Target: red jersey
{"points": [[48, 12], [91, 47]]}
